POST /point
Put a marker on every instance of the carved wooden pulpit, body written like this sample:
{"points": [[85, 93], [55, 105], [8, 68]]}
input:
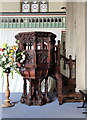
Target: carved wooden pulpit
{"points": [[39, 48]]}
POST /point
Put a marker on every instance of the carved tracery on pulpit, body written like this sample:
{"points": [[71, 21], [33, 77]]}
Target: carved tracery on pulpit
{"points": [[39, 48]]}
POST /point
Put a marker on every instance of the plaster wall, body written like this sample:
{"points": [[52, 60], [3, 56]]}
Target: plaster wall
{"points": [[85, 45], [75, 39], [14, 6]]}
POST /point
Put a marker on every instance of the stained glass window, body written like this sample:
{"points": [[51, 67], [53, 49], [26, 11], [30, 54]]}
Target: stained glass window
{"points": [[43, 6], [25, 6], [34, 6]]}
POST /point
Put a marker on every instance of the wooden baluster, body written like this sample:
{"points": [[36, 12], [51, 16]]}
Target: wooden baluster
{"points": [[59, 88], [59, 55], [30, 88], [55, 54], [70, 66], [49, 49], [64, 67], [39, 89], [46, 91], [42, 44], [46, 88], [24, 91], [25, 87], [58, 62], [64, 54]]}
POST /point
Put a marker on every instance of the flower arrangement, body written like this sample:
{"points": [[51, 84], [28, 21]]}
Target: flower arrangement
{"points": [[10, 59]]}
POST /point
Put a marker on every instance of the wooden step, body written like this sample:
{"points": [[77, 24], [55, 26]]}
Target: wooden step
{"points": [[73, 97], [75, 94], [73, 100]]}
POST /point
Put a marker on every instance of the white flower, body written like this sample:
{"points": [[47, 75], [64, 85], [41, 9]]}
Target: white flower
{"points": [[8, 65], [21, 61], [5, 52], [10, 59], [8, 49], [23, 57], [15, 55], [3, 59]]}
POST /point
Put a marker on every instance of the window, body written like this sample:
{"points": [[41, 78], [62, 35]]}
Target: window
{"points": [[25, 6], [43, 6], [34, 6]]}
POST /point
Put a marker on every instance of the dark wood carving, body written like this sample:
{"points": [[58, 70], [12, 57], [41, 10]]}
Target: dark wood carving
{"points": [[43, 60], [66, 85], [39, 51]]}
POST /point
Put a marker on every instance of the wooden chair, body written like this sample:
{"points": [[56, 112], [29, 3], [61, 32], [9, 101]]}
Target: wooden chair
{"points": [[66, 85]]}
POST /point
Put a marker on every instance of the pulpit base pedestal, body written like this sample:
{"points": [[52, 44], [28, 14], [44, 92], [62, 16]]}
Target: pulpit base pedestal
{"points": [[33, 101]]}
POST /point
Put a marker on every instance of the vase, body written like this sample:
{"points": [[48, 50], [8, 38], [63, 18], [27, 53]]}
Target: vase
{"points": [[7, 93]]}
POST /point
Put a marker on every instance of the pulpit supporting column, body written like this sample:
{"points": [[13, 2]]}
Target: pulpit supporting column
{"points": [[46, 91], [29, 98], [24, 91]]}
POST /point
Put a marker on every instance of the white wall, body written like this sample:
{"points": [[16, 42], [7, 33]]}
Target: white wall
{"points": [[15, 6], [75, 39], [85, 45]]}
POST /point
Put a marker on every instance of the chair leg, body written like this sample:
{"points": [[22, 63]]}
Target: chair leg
{"points": [[60, 100]]}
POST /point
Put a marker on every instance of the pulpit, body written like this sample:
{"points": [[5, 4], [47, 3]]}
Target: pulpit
{"points": [[39, 48]]}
